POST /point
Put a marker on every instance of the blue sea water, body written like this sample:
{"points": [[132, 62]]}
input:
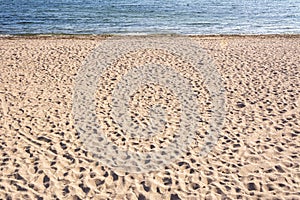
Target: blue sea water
{"points": [[149, 16]]}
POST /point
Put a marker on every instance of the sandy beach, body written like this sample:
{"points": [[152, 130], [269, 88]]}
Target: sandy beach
{"points": [[256, 156]]}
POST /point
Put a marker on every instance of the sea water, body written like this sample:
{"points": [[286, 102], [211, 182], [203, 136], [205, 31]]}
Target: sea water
{"points": [[149, 16]]}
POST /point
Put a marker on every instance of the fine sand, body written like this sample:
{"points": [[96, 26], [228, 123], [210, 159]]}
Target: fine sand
{"points": [[256, 157]]}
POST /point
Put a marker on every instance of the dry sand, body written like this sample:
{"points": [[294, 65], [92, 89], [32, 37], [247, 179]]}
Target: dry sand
{"points": [[257, 155]]}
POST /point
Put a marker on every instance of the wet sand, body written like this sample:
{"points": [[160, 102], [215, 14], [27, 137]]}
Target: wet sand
{"points": [[256, 156]]}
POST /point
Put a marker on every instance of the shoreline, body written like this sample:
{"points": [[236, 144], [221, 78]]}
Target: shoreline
{"points": [[101, 36]]}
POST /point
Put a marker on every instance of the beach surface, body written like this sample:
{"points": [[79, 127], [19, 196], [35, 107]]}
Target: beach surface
{"points": [[256, 156]]}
